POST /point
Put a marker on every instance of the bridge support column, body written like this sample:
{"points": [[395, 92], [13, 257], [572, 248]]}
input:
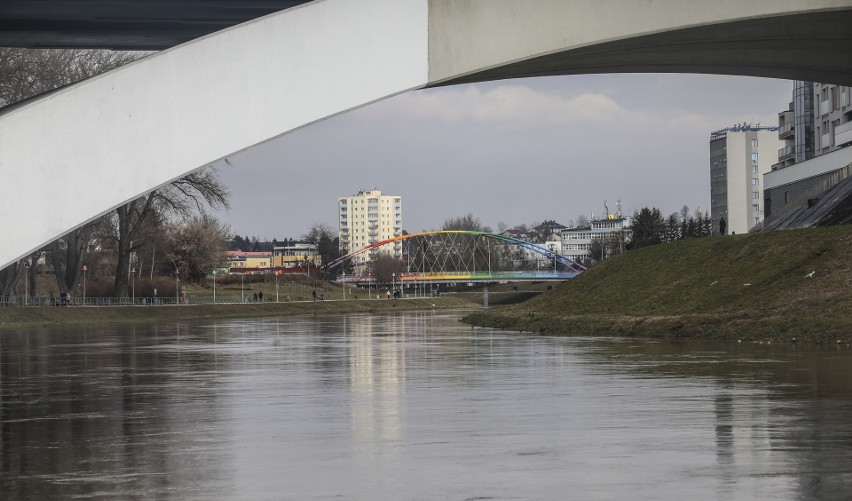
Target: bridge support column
{"points": [[485, 296]]}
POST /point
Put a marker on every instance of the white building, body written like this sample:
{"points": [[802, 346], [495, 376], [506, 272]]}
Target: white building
{"points": [[369, 217], [739, 157], [577, 242]]}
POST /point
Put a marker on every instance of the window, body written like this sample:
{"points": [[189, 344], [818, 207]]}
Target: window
{"points": [[754, 157], [754, 169], [755, 181], [755, 220], [755, 208], [754, 143], [755, 195]]}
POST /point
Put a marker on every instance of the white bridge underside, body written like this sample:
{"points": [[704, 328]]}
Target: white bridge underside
{"points": [[77, 153]]}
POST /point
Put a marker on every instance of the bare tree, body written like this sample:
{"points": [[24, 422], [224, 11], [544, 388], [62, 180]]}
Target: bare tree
{"points": [[324, 240], [385, 266], [181, 199], [69, 253], [467, 222], [9, 278], [25, 73], [198, 246]]}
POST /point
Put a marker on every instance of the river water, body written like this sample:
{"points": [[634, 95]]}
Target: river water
{"points": [[415, 406]]}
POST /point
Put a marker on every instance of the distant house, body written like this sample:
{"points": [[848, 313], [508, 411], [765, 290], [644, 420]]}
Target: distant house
{"points": [[239, 261], [295, 254], [516, 233], [547, 231]]}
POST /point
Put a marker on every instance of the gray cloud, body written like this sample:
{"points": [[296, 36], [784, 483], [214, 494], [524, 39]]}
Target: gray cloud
{"points": [[514, 151]]}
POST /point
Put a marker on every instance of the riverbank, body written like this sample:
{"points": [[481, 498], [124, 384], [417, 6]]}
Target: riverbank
{"points": [[784, 286], [15, 317]]}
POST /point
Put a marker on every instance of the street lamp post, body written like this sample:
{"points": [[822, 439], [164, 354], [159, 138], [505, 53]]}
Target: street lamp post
{"points": [[85, 269], [214, 286], [242, 287], [277, 272], [393, 284], [26, 283], [133, 285], [177, 285]]}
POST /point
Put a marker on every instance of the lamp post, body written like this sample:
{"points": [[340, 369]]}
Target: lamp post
{"points": [[393, 284], [242, 287], [177, 285], [26, 283], [277, 273], [214, 286], [85, 269], [133, 285]]}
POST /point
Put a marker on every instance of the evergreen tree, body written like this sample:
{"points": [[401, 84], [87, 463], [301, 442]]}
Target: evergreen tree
{"points": [[648, 228]]}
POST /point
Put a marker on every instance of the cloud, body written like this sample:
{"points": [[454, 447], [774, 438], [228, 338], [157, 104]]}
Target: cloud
{"points": [[506, 104], [516, 151]]}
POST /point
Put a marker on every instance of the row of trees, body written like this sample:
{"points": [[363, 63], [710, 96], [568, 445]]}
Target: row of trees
{"points": [[163, 231], [157, 234], [649, 227]]}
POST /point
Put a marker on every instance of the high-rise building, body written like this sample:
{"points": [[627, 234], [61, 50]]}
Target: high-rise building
{"points": [[816, 128], [369, 217], [739, 157]]}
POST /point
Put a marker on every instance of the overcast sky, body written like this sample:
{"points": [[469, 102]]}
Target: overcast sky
{"points": [[513, 151]]}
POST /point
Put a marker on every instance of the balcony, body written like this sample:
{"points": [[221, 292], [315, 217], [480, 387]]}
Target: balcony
{"points": [[786, 153], [843, 133], [786, 131]]}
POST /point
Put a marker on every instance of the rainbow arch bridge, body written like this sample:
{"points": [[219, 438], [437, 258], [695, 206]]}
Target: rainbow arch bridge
{"points": [[453, 256]]}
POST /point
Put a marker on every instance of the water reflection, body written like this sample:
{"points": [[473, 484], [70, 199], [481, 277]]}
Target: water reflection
{"points": [[364, 406]]}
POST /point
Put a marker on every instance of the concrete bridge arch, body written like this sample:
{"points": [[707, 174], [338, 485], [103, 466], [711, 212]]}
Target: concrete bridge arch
{"points": [[77, 153]]}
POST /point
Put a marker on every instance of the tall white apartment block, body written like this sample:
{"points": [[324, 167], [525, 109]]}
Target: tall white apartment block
{"points": [[739, 157], [369, 217]]}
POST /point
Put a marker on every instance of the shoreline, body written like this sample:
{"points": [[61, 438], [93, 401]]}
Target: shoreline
{"points": [[54, 316], [742, 327]]}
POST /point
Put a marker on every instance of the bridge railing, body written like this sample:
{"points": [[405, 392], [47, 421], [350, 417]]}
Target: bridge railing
{"points": [[41, 301]]}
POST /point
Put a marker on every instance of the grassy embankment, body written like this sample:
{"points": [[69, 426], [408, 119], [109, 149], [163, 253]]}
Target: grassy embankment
{"points": [[740, 287], [15, 317]]}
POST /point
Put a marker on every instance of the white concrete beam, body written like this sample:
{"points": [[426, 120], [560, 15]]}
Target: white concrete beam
{"points": [[84, 150]]}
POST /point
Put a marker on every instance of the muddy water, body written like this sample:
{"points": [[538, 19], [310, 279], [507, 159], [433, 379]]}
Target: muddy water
{"points": [[415, 406]]}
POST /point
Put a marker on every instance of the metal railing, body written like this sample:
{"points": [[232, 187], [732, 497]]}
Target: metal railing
{"points": [[785, 152], [41, 301]]}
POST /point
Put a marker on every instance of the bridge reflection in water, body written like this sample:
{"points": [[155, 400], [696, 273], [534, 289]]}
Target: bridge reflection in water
{"points": [[453, 256]]}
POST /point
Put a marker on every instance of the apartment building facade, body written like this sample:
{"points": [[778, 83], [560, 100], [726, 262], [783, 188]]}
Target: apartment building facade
{"points": [[368, 217], [816, 129], [739, 157]]}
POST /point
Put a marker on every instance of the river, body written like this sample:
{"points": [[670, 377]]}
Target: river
{"points": [[415, 406]]}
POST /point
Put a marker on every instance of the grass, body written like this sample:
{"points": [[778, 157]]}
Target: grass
{"points": [[751, 286]]}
